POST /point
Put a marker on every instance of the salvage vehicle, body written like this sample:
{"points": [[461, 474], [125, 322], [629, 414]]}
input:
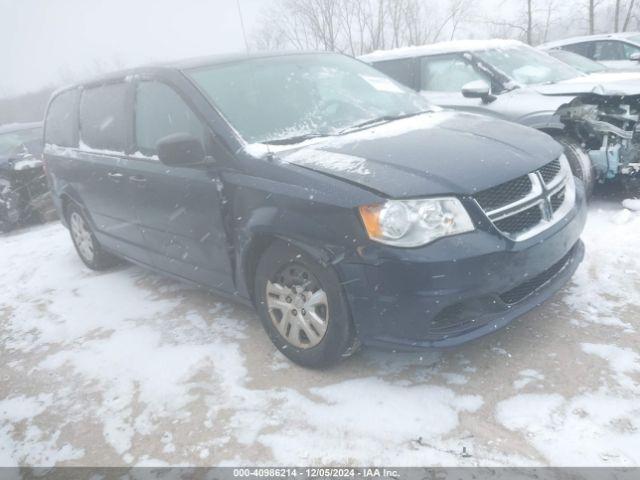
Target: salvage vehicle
{"points": [[340, 204], [615, 50], [593, 116], [24, 195]]}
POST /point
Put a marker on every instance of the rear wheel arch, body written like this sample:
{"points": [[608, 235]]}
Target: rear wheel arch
{"points": [[66, 201]]}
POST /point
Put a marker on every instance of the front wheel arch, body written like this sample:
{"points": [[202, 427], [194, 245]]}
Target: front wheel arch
{"points": [[341, 339]]}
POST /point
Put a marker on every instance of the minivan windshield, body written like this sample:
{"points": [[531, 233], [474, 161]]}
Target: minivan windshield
{"points": [[527, 66], [289, 98]]}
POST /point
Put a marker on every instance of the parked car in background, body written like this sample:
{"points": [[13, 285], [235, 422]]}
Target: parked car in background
{"points": [[593, 116], [580, 63], [615, 50], [339, 203], [24, 195]]}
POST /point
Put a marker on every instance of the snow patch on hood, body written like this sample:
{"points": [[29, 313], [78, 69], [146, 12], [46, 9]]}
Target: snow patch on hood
{"points": [[336, 162], [390, 129]]}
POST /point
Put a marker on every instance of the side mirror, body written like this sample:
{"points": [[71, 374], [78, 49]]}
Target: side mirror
{"points": [[477, 89], [181, 150], [635, 57]]}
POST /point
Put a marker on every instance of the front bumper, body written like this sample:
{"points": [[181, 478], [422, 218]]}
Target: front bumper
{"points": [[459, 288]]}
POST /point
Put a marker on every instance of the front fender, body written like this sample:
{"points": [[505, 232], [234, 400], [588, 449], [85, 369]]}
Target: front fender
{"points": [[314, 236]]}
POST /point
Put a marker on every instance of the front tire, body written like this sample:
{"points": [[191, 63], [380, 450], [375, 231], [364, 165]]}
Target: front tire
{"points": [[302, 307], [89, 250], [579, 161]]}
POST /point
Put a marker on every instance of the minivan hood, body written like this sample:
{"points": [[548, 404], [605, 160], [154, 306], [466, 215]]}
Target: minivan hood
{"points": [[606, 83], [441, 152]]}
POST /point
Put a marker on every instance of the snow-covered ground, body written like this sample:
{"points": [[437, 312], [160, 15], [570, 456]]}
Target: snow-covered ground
{"points": [[129, 368]]}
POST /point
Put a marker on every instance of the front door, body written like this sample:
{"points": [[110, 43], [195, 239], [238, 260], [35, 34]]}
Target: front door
{"points": [[615, 54], [178, 208], [105, 133]]}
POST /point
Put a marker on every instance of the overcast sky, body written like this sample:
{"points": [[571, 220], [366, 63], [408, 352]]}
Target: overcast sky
{"points": [[46, 42]]}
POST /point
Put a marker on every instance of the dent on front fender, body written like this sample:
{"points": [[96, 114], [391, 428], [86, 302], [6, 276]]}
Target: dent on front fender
{"points": [[329, 235]]}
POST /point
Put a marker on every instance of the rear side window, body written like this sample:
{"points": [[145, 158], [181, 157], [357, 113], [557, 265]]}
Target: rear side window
{"points": [[60, 124], [585, 49], [160, 112], [402, 70], [448, 73], [104, 117]]}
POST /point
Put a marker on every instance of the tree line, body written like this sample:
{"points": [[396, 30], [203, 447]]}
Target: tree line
{"points": [[356, 27]]}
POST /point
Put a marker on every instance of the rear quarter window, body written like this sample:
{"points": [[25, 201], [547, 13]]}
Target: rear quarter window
{"points": [[61, 120], [105, 117], [402, 70]]}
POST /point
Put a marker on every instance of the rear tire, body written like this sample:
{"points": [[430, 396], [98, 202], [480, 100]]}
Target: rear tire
{"points": [[302, 307], [580, 162], [89, 250]]}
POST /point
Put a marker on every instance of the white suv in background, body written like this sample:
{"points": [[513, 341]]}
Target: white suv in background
{"points": [[615, 50]]}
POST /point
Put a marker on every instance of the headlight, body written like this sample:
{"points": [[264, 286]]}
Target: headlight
{"points": [[413, 223]]}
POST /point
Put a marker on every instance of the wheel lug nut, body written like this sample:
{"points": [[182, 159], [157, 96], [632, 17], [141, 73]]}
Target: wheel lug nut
{"points": [[295, 312], [289, 300], [304, 312]]}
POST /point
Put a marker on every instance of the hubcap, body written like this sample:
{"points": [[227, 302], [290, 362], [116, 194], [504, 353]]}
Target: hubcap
{"points": [[298, 306], [82, 236]]}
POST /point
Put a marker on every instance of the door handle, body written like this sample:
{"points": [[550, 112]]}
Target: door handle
{"points": [[115, 176], [138, 180]]}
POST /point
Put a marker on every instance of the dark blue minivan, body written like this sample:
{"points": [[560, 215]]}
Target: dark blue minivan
{"points": [[340, 204]]}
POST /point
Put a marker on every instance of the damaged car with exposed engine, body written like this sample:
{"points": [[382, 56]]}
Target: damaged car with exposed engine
{"points": [[593, 116], [24, 194]]}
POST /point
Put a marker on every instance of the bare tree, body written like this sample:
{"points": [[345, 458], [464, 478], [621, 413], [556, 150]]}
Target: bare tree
{"points": [[529, 22], [592, 12], [358, 26], [627, 18]]}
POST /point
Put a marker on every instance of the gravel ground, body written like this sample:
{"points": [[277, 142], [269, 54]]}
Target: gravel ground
{"points": [[129, 368]]}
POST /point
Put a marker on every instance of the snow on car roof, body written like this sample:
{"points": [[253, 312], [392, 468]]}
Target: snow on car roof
{"points": [[588, 38], [436, 48]]}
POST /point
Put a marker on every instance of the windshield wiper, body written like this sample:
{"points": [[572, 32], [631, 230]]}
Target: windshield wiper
{"points": [[296, 139], [383, 119]]}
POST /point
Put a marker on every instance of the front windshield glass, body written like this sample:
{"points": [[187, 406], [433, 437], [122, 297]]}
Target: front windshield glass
{"points": [[278, 98], [12, 142], [578, 62], [527, 66]]}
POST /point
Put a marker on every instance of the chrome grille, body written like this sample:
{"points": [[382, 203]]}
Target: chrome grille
{"points": [[522, 208]]}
